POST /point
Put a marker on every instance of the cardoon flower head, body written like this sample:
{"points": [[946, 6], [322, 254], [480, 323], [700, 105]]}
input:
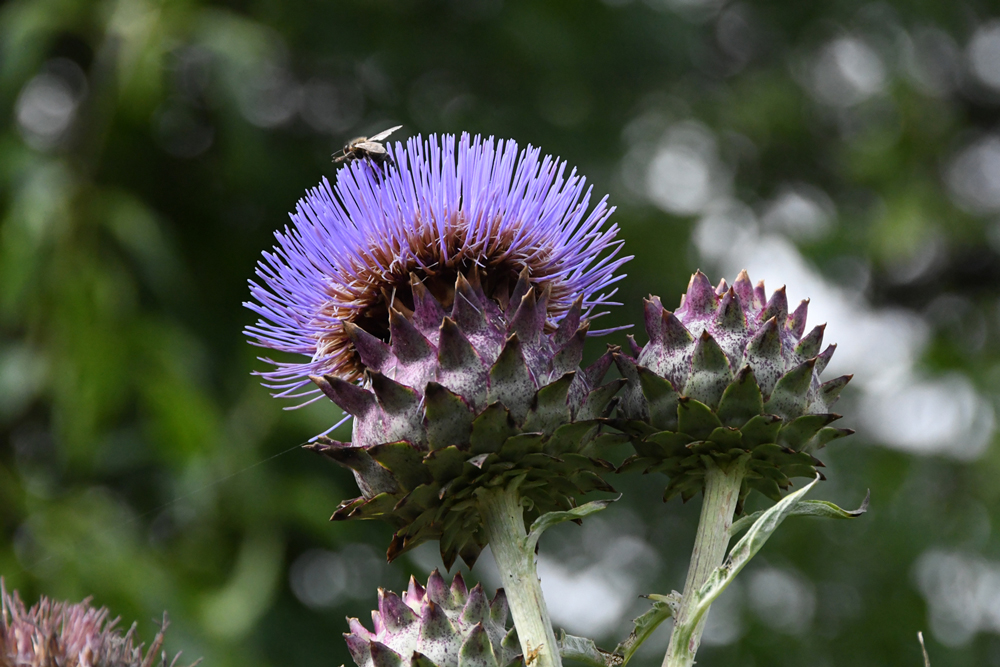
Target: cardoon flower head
{"points": [[69, 635], [729, 375], [444, 303]]}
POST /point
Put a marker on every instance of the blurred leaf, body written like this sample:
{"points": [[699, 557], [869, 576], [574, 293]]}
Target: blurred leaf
{"points": [[820, 508], [581, 649], [664, 607], [549, 519]]}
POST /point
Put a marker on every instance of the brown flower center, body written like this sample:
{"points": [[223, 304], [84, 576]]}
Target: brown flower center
{"points": [[381, 275]]}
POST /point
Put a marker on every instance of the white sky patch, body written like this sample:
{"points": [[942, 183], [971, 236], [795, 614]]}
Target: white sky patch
{"points": [[585, 602], [685, 173], [323, 579], [800, 211], [973, 176], [269, 96], [782, 599], [931, 61], [589, 600], [846, 72], [983, 54], [725, 619], [963, 594], [47, 104], [924, 417]]}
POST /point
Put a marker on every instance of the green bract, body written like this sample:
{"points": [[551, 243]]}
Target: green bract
{"points": [[728, 374], [460, 401]]}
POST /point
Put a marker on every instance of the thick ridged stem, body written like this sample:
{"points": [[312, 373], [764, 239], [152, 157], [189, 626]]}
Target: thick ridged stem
{"points": [[503, 517], [722, 491]]}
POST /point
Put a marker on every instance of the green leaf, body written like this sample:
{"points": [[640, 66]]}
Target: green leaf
{"points": [[449, 420], [522, 444], [404, 461], [762, 429], [510, 380], [509, 641], [418, 659], [660, 397], [490, 429], [741, 401], [824, 437], [710, 372], [477, 650], [821, 508], [379, 507], [546, 521], [796, 434], [567, 438], [664, 607], [696, 419], [383, 656], [585, 650], [598, 403], [669, 440], [686, 484], [445, 464], [549, 409], [726, 437], [788, 400]]}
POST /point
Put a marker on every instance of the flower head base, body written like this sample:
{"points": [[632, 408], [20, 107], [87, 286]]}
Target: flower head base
{"points": [[729, 374], [473, 207], [457, 403], [446, 626], [69, 635]]}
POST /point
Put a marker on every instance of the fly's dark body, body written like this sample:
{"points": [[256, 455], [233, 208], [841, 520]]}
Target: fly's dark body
{"points": [[367, 148]]}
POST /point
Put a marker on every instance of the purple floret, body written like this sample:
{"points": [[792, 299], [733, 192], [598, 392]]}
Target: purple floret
{"points": [[448, 206]]}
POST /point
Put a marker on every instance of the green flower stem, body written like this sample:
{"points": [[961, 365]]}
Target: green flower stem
{"points": [[503, 516], [722, 491]]}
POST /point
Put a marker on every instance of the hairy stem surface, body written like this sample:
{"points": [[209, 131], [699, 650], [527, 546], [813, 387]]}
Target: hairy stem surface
{"points": [[503, 517], [722, 490]]}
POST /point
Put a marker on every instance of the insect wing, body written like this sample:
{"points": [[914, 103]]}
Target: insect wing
{"points": [[369, 147], [382, 135]]}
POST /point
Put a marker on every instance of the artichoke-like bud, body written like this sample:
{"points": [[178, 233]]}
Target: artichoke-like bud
{"points": [[729, 373], [469, 394], [437, 625], [70, 635]]}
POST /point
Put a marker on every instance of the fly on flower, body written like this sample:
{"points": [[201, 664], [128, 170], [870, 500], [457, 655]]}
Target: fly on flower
{"points": [[367, 148]]}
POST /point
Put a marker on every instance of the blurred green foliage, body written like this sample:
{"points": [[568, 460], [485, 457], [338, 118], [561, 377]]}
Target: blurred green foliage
{"points": [[148, 149]]}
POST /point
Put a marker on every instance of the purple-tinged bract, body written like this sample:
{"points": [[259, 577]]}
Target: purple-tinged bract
{"points": [[436, 626], [446, 207], [730, 374]]}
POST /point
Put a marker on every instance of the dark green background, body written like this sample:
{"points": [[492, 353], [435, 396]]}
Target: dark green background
{"points": [[149, 149]]}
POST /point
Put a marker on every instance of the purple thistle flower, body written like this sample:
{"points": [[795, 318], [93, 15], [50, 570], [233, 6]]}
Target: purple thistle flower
{"points": [[447, 207], [69, 635]]}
